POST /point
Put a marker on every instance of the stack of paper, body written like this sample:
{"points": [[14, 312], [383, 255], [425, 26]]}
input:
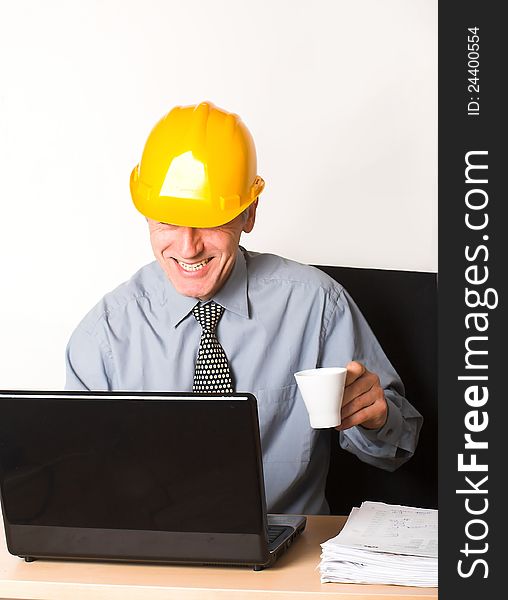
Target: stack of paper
{"points": [[383, 543]]}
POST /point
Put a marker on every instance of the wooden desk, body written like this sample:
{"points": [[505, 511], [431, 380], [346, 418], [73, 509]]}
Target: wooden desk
{"points": [[293, 576]]}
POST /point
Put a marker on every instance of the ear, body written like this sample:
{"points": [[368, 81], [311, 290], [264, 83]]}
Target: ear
{"points": [[251, 218]]}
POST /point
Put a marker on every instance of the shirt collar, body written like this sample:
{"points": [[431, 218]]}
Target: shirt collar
{"points": [[232, 296]]}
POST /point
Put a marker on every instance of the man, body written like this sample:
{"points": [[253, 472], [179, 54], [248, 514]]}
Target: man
{"points": [[208, 315]]}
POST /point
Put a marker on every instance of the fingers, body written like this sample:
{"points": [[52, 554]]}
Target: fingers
{"points": [[358, 381], [369, 410], [354, 371], [364, 402]]}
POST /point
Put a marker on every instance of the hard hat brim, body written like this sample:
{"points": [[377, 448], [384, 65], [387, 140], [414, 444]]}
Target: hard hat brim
{"points": [[189, 212]]}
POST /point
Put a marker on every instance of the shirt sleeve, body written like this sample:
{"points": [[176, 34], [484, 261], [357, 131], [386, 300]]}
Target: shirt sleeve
{"points": [[393, 444], [88, 362]]}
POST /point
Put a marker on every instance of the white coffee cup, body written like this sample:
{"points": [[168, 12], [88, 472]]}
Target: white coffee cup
{"points": [[322, 391]]}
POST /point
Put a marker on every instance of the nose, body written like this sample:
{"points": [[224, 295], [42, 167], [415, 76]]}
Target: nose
{"points": [[190, 242]]}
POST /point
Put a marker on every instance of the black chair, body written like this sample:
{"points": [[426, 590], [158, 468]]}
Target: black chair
{"points": [[401, 308]]}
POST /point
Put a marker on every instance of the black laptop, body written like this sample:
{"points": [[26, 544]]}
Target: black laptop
{"points": [[158, 477]]}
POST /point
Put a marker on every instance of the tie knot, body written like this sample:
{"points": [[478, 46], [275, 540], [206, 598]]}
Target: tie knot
{"points": [[208, 315]]}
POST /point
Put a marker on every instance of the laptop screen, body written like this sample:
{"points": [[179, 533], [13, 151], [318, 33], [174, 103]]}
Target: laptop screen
{"points": [[150, 462]]}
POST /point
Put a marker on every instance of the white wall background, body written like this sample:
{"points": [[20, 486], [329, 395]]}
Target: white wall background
{"points": [[341, 98]]}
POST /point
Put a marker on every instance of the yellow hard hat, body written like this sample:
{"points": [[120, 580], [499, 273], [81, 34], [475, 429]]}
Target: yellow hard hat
{"points": [[198, 168]]}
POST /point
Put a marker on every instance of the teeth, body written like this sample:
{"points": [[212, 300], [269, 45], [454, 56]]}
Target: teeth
{"points": [[195, 266]]}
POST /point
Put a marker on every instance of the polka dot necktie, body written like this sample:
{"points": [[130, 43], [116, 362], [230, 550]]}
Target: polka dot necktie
{"points": [[212, 374]]}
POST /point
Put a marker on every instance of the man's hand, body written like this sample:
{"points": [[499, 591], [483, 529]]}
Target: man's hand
{"points": [[364, 400]]}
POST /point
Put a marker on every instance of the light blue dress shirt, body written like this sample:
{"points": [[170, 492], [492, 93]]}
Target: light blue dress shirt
{"points": [[280, 317]]}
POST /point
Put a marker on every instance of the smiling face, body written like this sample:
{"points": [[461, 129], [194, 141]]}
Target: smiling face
{"points": [[199, 261]]}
